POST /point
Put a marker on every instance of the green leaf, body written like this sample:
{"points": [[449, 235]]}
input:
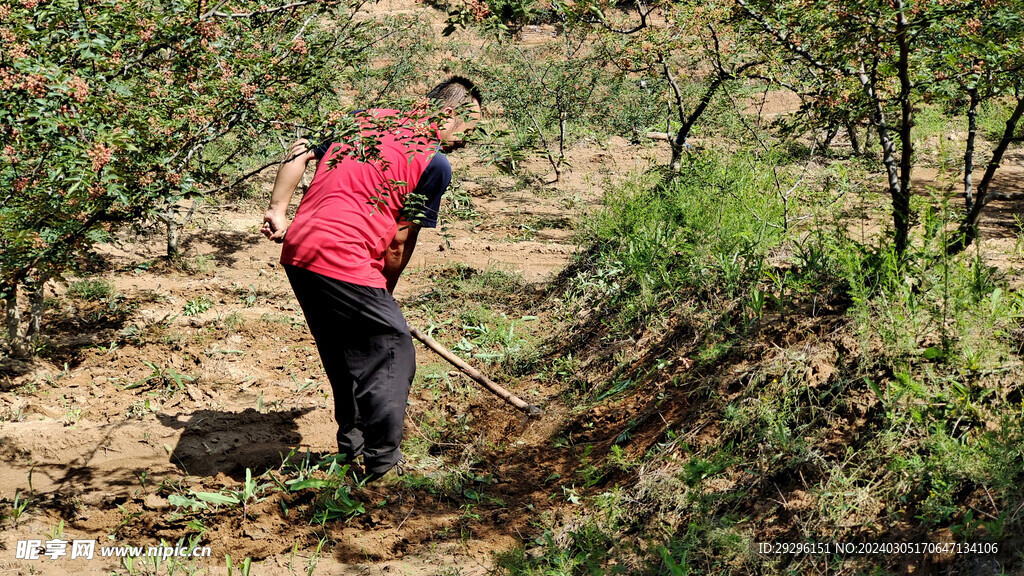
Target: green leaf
{"points": [[185, 502], [217, 497], [934, 353], [874, 388], [314, 483]]}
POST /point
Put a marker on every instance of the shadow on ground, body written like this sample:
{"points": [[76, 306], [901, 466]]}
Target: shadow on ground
{"points": [[214, 442], [226, 243]]}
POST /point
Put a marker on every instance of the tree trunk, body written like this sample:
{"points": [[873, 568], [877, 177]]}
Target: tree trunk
{"points": [[830, 134], [36, 301], [968, 230], [851, 131], [901, 196], [174, 227], [687, 121], [972, 133], [15, 335], [900, 210], [555, 164], [173, 236], [561, 138]]}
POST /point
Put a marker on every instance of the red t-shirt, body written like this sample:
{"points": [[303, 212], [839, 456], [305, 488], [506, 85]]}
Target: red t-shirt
{"points": [[350, 213]]}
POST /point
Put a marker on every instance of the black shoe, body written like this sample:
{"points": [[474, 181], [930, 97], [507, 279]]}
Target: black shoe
{"points": [[398, 468]]}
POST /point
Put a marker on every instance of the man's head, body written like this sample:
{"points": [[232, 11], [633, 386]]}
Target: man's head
{"points": [[460, 98]]}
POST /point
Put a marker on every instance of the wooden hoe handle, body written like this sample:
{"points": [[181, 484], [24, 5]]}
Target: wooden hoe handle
{"points": [[475, 374]]}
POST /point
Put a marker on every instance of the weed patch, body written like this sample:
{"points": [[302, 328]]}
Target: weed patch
{"points": [[790, 387]]}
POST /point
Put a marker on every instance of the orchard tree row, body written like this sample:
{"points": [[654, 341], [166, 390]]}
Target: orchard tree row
{"points": [[119, 113], [856, 66], [116, 113]]}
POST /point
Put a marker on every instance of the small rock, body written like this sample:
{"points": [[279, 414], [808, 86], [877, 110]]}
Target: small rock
{"points": [[154, 502]]}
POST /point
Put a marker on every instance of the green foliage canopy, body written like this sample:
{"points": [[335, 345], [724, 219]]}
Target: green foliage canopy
{"points": [[107, 108], [887, 58]]}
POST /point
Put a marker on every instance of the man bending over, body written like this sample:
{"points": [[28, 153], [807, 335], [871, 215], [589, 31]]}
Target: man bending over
{"points": [[353, 234]]}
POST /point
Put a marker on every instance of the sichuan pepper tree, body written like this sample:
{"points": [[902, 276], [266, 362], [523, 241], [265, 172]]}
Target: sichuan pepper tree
{"points": [[114, 111], [978, 58], [677, 43], [890, 57], [685, 42]]}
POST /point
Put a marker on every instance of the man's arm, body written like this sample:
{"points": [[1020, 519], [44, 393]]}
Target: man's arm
{"points": [[399, 252], [289, 174], [433, 182]]}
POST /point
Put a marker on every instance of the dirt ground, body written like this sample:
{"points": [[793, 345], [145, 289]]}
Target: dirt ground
{"points": [[130, 407], [144, 395], [97, 453], [97, 457]]}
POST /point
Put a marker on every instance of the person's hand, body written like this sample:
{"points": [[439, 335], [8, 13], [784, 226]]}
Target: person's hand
{"points": [[274, 226], [299, 148], [289, 175]]}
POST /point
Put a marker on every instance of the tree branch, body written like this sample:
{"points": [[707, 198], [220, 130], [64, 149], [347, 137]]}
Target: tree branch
{"points": [[968, 230], [784, 39], [216, 13], [972, 133], [906, 108], [642, 10]]}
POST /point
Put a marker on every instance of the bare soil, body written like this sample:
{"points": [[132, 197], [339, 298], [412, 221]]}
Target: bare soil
{"points": [[98, 435], [240, 386]]}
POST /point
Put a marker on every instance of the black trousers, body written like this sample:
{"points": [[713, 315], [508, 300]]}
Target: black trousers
{"points": [[367, 352]]}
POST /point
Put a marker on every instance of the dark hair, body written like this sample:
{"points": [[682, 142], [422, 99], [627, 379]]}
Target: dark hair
{"points": [[455, 92]]}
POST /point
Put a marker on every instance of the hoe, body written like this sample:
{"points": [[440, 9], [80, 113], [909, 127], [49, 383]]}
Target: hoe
{"points": [[475, 374]]}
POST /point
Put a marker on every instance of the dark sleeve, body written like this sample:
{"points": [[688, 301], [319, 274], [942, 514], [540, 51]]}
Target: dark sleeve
{"points": [[321, 150], [422, 204]]}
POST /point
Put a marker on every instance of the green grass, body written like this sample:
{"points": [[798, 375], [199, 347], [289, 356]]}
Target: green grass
{"points": [[197, 306], [708, 229], [992, 116], [458, 205], [872, 390], [234, 321], [91, 289]]}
